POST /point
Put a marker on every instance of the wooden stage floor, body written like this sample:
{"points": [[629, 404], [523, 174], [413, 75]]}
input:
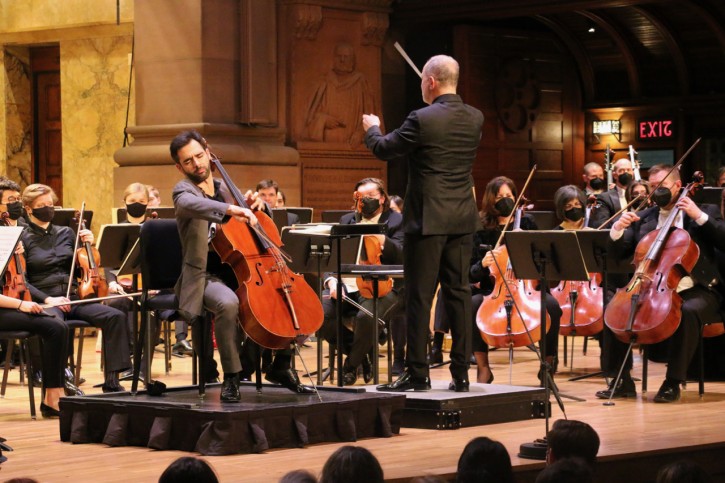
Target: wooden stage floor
{"points": [[631, 427]]}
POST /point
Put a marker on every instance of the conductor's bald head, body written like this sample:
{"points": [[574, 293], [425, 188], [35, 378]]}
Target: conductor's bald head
{"points": [[440, 76]]}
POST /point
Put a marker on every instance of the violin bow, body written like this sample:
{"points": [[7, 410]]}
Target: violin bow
{"points": [[518, 202], [75, 249]]}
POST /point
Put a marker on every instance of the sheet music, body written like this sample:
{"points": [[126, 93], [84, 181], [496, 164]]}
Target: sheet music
{"points": [[9, 236]]}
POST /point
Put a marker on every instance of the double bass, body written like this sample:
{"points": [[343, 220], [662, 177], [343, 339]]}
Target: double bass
{"points": [[648, 309], [585, 296], [276, 306]]}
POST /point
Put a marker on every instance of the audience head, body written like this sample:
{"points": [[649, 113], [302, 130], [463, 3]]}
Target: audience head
{"points": [[567, 470], [571, 438], [683, 471], [154, 196], [352, 464], [298, 476], [189, 470], [482, 460]]}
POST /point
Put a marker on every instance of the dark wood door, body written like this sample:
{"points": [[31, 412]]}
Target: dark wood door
{"points": [[47, 142]]}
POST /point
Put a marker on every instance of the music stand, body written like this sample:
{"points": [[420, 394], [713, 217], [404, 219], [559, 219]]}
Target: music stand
{"points": [[315, 253], [333, 216], [279, 216], [595, 246], [305, 214], [545, 256], [165, 212], [66, 216]]}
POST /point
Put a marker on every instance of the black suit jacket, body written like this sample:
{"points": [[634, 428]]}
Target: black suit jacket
{"points": [[609, 205], [708, 237], [440, 143]]}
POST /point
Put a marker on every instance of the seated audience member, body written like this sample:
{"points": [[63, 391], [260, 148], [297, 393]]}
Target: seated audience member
{"points": [[298, 476], [567, 470], [683, 471], [484, 460], [189, 470], [570, 438], [352, 464]]}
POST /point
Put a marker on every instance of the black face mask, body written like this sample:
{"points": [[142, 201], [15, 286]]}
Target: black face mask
{"points": [[44, 214], [596, 184], [136, 210], [662, 196], [369, 206], [574, 214], [504, 206], [625, 178], [15, 210]]}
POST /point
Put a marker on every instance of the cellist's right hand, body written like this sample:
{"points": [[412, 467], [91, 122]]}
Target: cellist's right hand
{"points": [[488, 259], [243, 215], [627, 218]]}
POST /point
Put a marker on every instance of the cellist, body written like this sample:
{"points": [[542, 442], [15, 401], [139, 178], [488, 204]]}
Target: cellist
{"points": [[496, 205], [205, 282], [374, 204], [701, 291]]}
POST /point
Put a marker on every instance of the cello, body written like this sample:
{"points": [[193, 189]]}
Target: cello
{"points": [[648, 309], [586, 298], [276, 306], [373, 254]]}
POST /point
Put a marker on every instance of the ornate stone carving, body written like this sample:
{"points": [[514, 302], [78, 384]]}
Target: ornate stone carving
{"points": [[374, 26], [307, 21]]}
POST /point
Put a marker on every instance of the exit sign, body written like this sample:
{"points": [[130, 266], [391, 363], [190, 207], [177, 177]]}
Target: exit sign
{"points": [[655, 129]]}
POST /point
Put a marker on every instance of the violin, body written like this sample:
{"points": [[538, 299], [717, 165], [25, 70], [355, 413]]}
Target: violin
{"points": [[634, 159], [373, 254], [92, 281], [511, 315], [586, 298], [276, 306], [648, 309], [16, 285]]}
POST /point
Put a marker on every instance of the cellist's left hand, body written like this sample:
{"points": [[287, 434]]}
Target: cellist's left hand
{"points": [[254, 201], [689, 207]]}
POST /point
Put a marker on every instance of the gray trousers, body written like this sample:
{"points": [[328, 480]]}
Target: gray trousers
{"points": [[224, 304]]}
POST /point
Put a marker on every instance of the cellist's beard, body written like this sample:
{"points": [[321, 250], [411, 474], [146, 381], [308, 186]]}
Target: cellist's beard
{"points": [[199, 178]]}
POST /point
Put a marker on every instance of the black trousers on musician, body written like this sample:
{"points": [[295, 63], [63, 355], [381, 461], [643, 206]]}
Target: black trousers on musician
{"points": [[429, 259], [54, 333], [115, 331], [700, 306]]}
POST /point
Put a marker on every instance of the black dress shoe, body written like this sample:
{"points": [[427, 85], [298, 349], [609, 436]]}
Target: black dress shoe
{"points": [[182, 347], [625, 388], [230, 390], [459, 385], [112, 388], [367, 369], [435, 356], [407, 382], [70, 390], [669, 392], [287, 378], [48, 412]]}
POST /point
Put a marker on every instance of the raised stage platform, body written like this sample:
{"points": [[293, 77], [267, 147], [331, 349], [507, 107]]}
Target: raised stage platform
{"points": [[274, 418]]}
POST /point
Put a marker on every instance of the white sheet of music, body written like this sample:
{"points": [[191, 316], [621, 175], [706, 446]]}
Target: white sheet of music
{"points": [[9, 236]]}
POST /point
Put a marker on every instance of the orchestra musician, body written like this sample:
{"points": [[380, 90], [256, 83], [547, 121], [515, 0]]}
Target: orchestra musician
{"points": [[440, 143], [202, 201], [49, 254], [594, 182], [636, 188], [701, 291], [268, 190], [613, 200], [358, 340], [496, 205]]}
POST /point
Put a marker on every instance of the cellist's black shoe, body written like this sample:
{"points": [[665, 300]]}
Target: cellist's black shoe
{"points": [[407, 382], [230, 390], [625, 388], [459, 385], [367, 369], [669, 392], [287, 378]]}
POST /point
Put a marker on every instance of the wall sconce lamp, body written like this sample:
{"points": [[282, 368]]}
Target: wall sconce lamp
{"points": [[611, 126]]}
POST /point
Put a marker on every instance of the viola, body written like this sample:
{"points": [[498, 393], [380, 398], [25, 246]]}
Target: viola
{"points": [[276, 305], [500, 323], [586, 298], [16, 285], [92, 281], [648, 309]]}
